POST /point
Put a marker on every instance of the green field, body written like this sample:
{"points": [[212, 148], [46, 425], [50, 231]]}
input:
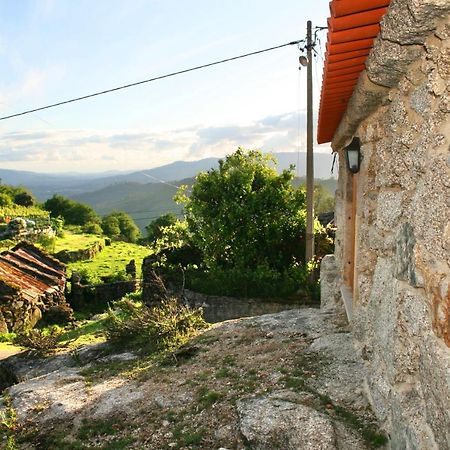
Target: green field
{"points": [[113, 259], [71, 241]]}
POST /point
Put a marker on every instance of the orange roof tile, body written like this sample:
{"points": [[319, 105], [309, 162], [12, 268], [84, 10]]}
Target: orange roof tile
{"points": [[352, 27]]}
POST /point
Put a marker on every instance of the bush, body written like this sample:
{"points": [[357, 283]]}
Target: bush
{"points": [[5, 200], [161, 328], [72, 212], [7, 337], [87, 276], [46, 242], [120, 226], [24, 199], [263, 282], [40, 341], [92, 228]]}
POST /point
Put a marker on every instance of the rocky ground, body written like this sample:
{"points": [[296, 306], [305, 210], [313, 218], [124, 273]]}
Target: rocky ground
{"points": [[281, 381]]}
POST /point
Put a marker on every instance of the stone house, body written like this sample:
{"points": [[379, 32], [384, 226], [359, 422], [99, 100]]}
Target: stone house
{"points": [[32, 283], [386, 101]]}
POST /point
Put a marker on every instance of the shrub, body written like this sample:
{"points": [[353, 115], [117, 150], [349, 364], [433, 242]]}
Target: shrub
{"points": [[40, 341], [161, 328], [92, 228], [87, 276], [24, 198], [120, 226], [7, 337], [5, 199]]}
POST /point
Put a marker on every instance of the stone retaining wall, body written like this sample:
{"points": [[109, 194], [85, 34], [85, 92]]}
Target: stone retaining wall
{"points": [[218, 309], [96, 297], [69, 256]]}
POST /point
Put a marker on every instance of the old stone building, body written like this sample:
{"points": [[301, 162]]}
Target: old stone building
{"points": [[386, 97], [32, 283]]}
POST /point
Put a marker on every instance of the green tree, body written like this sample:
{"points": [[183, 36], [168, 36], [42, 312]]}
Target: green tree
{"points": [[323, 200], [246, 215], [120, 226], [24, 198], [58, 205], [72, 212], [81, 214], [155, 229]]}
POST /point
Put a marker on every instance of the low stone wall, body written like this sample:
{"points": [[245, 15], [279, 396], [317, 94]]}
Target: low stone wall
{"points": [[69, 256], [96, 297], [218, 309]]}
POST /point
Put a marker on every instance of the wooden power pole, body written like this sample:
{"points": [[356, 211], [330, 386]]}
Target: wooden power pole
{"points": [[309, 253]]}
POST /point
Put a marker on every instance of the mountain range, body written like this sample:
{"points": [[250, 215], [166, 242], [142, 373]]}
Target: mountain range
{"points": [[45, 185], [144, 194]]}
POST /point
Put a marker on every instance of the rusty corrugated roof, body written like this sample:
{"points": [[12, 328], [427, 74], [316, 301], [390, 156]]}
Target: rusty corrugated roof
{"points": [[29, 270], [352, 28]]}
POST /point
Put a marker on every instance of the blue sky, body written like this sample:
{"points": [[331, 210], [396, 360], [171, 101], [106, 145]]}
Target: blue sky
{"points": [[51, 50]]}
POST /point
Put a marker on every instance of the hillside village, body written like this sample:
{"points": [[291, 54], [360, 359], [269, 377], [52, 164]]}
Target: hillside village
{"points": [[206, 327]]}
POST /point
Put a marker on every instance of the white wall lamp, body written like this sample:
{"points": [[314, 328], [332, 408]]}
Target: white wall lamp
{"points": [[353, 155]]}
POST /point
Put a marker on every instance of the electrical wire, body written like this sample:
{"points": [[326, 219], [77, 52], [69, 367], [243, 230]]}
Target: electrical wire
{"points": [[161, 181], [149, 80]]}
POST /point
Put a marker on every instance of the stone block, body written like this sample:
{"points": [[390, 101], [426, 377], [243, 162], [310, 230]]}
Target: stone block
{"points": [[330, 281]]}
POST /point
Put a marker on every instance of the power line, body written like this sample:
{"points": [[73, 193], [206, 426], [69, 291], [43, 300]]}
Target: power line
{"points": [[149, 80]]}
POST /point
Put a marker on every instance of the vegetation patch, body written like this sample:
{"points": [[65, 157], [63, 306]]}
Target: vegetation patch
{"points": [[8, 424], [110, 262], [162, 328], [72, 241]]}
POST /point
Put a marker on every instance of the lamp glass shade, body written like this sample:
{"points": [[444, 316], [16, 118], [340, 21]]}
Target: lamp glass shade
{"points": [[353, 155]]}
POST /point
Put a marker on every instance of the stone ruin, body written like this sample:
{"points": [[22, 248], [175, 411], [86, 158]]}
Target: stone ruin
{"points": [[32, 286]]}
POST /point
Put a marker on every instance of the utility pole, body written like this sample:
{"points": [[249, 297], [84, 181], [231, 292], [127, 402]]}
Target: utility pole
{"points": [[309, 253]]}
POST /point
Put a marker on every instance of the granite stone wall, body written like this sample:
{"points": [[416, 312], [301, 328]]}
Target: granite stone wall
{"points": [[401, 294]]}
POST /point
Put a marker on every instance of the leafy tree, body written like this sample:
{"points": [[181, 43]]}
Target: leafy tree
{"points": [[92, 228], [120, 226], [323, 200], [72, 212], [110, 226], [58, 205], [80, 214], [155, 229], [24, 198], [246, 215]]}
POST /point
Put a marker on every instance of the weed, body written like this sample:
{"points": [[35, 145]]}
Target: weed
{"points": [[165, 327], [7, 337], [293, 382], [207, 398], [185, 436], [225, 372], [91, 428], [8, 423], [229, 360], [368, 431]]}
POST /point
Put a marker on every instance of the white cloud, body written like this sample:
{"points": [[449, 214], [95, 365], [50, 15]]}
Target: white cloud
{"points": [[83, 150]]}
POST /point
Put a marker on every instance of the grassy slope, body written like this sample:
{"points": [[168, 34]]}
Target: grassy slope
{"points": [[71, 241], [113, 259]]}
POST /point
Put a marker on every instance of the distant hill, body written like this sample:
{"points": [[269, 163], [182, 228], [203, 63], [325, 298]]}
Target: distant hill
{"points": [[72, 185], [145, 202]]}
